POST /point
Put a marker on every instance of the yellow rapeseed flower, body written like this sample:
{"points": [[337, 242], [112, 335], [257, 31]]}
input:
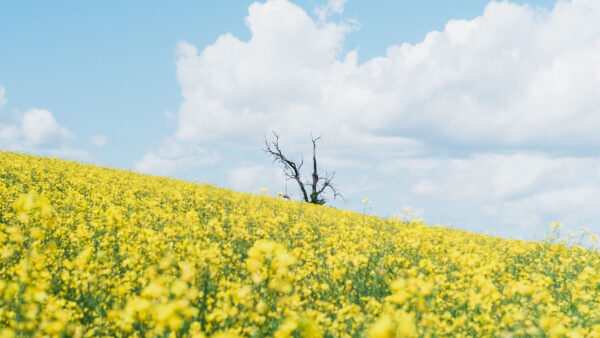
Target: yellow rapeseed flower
{"points": [[90, 251]]}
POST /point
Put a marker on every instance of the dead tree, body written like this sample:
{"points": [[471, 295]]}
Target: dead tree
{"points": [[291, 170]]}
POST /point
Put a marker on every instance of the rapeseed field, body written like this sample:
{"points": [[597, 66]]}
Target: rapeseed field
{"points": [[90, 251]]}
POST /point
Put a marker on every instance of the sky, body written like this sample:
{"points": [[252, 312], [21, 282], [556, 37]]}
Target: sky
{"points": [[476, 115]]}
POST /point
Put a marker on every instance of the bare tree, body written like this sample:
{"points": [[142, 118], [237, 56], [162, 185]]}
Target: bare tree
{"points": [[291, 170]]}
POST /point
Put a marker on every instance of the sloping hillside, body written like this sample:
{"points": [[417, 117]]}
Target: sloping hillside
{"points": [[95, 251]]}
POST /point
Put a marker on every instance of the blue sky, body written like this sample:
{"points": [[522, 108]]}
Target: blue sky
{"points": [[487, 124]]}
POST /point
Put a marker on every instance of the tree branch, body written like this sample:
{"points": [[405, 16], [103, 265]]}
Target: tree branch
{"points": [[290, 169]]}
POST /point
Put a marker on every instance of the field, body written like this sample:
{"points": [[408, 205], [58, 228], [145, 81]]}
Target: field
{"points": [[87, 251]]}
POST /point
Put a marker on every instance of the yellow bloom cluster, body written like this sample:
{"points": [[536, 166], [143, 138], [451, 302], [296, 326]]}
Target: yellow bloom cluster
{"points": [[268, 260], [87, 251]]}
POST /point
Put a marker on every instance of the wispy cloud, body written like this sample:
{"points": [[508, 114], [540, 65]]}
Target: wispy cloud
{"points": [[2, 96], [329, 8], [98, 140]]}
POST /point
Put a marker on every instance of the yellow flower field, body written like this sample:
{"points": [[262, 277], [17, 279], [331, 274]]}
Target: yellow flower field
{"points": [[89, 251]]}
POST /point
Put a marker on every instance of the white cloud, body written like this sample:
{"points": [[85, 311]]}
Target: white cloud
{"points": [[574, 206], [36, 131], [175, 156], [35, 128], [509, 191], [9, 133], [513, 76], [515, 80], [494, 177], [2, 96], [234, 88], [98, 140], [39, 127]]}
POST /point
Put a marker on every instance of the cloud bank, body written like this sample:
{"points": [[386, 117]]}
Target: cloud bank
{"points": [[513, 76], [500, 111]]}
